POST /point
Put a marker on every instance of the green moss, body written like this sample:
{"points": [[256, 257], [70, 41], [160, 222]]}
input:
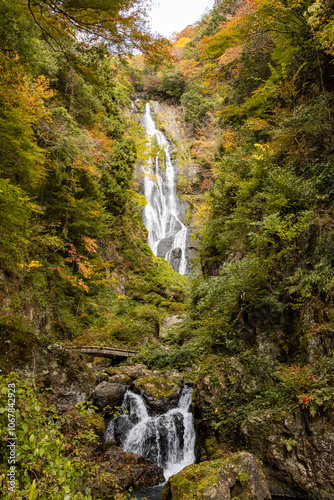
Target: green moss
{"points": [[191, 482], [213, 448], [159, 387]]}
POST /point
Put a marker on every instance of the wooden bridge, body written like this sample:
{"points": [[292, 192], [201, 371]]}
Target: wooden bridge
{"points": [[105, 352]]}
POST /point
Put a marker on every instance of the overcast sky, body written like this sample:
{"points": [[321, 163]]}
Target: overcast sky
{"points": [[169, 16]]}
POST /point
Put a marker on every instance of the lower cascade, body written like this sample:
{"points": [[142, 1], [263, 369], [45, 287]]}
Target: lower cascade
{"points": [[168, 439]]}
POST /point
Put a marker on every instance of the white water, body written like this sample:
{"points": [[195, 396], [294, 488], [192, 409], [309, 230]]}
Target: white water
{"points": [[162, 212], [168, 439]]}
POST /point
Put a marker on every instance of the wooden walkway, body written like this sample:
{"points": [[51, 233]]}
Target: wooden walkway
{"points": [[105, 352]]}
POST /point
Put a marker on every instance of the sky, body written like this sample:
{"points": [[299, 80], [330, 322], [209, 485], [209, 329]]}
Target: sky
{"points": [[169, 16]]}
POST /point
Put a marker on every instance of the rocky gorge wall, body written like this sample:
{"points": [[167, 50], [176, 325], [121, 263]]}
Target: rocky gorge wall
{"points": [[236, 409]]}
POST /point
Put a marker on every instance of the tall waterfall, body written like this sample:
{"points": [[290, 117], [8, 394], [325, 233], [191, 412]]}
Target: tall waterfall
{"points": [[168, 439], [167, 234]]}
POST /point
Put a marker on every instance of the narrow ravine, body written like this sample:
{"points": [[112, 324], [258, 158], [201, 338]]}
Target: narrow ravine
{"points": [[162, 214]]}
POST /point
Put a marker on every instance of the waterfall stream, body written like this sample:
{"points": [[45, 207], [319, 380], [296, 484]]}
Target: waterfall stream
{"points": [[167, 234], [168, 439]]}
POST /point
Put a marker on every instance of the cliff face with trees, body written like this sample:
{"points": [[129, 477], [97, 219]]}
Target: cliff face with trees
{"points": [[254, 84], [71, 224]]}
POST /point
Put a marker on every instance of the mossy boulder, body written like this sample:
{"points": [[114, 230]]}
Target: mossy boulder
{"points": [[237, 476], [121, 378], [131, 470], [107, 395], [133, 372], [160, 393]]}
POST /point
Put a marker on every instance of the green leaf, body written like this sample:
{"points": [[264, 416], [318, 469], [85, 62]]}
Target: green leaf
{"points": [[313, 410], [33, 491]]}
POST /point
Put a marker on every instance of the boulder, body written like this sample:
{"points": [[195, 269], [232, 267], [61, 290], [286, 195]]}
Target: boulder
{"points": [[109, 394], [121, 378], [132, 470], [160, 393], [131, 371], [238, 475]]}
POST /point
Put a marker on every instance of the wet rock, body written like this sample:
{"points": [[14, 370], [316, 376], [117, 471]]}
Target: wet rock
{"points": [[165, 244], [175, 258], [238, 475], [160, 393], [132, 469], [108, 394], [176, 253], [122, 427]]}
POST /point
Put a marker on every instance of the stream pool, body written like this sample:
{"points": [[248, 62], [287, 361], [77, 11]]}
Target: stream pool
{"points": [[152, 493]]}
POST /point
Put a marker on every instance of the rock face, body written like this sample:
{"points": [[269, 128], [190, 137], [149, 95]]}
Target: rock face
{"points": [[175, 260], [109, 394], [67, 374], [209, 387], [295, 448], [63, 371], [131, 469], [297, 453], [165, 245], [238, 475], [171, 321]]}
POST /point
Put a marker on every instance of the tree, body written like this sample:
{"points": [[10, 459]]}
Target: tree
{"points": [[121, 23]]}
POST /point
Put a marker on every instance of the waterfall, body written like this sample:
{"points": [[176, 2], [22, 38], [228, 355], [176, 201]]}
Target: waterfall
{"points": [[168, 439], [167, 234]]}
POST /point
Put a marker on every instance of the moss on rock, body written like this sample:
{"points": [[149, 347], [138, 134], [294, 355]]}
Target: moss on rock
{"points": [[238, 476], [158, 387]]}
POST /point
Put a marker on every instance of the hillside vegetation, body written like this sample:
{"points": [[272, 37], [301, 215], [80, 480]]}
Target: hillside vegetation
{"points": [[71, 228], [254, 81]]}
